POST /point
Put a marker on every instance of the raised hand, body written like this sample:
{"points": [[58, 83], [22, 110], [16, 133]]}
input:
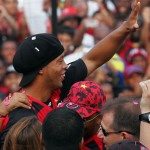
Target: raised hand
{"points": [[131, 23]]}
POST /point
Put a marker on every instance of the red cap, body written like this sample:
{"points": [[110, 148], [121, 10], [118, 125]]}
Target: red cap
{"points": [[137, 52], [69, 12], [85, 97]]}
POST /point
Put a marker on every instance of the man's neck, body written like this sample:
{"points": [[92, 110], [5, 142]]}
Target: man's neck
{"points": [[38, 92]]}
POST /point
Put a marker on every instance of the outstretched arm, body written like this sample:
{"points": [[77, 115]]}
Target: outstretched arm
{"points": [[145, 108], [106, 48]]}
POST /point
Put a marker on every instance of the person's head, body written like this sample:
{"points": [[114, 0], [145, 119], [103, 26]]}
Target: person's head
{"points": [[40, 59], [62, 130], [139, 57], [120, 120], [123, 7], [108, 90], [81, 5], [24, 135], [86, 98], [11, 6], [127, 145], [133, 74], [65, 35], [8, 51], [69, 17], [11, 79]]}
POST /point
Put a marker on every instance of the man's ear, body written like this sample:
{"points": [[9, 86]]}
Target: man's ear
{"points": [[123, 135], [126, 136]]}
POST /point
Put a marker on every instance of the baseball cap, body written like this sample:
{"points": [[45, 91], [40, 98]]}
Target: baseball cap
{"points": [[130, 70], [85, 97], [68, 13], [137, 52], [34, 53], [62, 130], [127, 145]]}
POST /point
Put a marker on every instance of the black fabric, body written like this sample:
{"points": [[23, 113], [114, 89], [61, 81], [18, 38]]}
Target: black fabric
{"points": [[92, 145], [77, 71], [127, 145], [35, 52]]}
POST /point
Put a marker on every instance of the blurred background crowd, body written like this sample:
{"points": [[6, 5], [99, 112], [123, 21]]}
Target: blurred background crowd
{"points": [[80, 25]]}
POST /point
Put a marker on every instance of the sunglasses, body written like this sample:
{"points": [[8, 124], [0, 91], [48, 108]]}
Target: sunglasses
{"points": [[105, 133]]}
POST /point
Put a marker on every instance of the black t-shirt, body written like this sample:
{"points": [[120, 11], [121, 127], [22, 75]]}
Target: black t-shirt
{"points": [[76, 71]]}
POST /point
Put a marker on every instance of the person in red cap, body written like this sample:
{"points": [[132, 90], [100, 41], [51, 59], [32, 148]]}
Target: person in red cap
{"points": [[69, 17], [139, 57], [87, 98]]}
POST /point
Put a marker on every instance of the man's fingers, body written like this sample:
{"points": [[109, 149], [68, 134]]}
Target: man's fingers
{"points": [[24, 105], [135, 10], [25, 100], [134, 3], [145, 85]]}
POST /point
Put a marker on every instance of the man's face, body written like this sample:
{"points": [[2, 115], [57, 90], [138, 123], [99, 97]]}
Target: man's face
{"points": [[106, 124], [8, 51], [54, 72], [140, 61], [66, 41]]}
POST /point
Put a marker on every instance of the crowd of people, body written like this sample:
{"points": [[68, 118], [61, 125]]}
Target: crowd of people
{"points": [[83, 90]]}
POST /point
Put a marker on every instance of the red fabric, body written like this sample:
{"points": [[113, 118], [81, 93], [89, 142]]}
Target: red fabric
{"points": [[85, 97], [6, 29], [4, 90], [4, 121], [123, 52], [55, 97], [42, 113]]}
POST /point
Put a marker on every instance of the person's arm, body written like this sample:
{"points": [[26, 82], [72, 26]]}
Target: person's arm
{"points": [[10, 103], [106, 48], [145, 108], [145, 31]]}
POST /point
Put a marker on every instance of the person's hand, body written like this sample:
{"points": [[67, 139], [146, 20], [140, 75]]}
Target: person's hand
{"points": [[18, 100], [131, 23], [145, 100], [146, 14]]}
